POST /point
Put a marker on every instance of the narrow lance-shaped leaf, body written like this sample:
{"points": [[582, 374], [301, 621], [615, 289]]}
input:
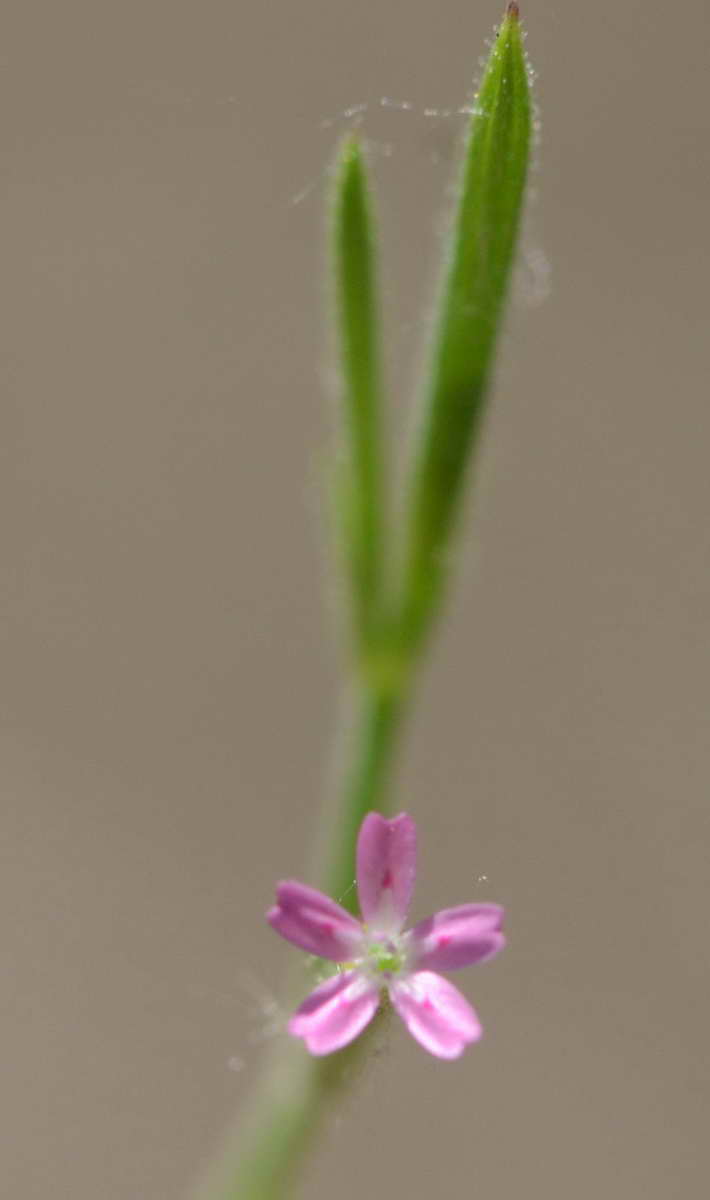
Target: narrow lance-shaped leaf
{"points": [[360, 481], [479, 258]]}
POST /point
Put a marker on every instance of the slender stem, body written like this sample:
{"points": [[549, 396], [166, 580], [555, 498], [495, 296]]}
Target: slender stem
{"points": [[370, 738], [264, 1157], [264, 1152]]}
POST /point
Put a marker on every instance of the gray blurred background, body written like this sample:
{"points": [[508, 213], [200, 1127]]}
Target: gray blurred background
{"points": [[169, 669]]}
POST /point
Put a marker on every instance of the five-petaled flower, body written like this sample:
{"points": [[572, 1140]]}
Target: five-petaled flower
{"points": [[376, 954]]}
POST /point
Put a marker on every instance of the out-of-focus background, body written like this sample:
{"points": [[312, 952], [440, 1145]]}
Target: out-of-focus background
{"points": [[169, 671]]}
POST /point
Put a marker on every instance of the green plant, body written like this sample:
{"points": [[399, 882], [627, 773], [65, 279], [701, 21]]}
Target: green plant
{"points": [[393, 612]]}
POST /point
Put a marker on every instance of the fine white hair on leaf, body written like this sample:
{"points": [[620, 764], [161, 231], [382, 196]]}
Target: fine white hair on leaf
{"points": [[423, 116], [266, 1015], [383, 149], [345, 114], [304, 193], [531, 279], [347, 891], [400, 105]]}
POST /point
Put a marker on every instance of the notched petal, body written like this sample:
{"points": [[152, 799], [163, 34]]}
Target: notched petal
{"points": [[457, 937], [386, 867], [313, 921]]}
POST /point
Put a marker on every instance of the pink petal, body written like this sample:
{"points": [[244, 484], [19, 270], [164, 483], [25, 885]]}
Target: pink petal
{"points": [[436, 1013], [386, 866], [457, 937], [314, 922], [336, 1012]]}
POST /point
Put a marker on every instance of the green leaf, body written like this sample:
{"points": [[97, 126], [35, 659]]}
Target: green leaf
{"points": [[360, 360], [478, 262]]}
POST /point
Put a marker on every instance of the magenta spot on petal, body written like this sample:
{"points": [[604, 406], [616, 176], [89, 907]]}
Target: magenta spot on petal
{"points": [[443, 940], [427, 1004], [387, 879], [327, 926]]}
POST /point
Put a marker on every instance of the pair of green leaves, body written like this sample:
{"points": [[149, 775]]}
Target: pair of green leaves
{"points": [[391, 616]]}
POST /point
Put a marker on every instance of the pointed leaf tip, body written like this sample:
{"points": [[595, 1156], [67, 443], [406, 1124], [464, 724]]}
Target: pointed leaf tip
{"points": [[470, 307], [350, 147], [357, 323]]}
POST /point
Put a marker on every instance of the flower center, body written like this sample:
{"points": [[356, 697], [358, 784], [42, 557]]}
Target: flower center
{"points": [[384, 957]]}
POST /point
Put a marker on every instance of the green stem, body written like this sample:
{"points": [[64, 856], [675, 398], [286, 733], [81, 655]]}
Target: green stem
{"points": [[369, 744], [265, 1155], [264, 1152]]}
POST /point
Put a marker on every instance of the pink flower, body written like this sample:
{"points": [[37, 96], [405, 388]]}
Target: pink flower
{"points": [[376, 954]]}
